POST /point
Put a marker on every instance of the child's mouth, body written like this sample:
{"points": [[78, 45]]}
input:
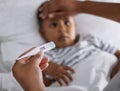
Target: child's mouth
{"points": [[62, 38]]}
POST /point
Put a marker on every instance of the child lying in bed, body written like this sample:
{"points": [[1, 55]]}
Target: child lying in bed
{"points": [[57, 24]]}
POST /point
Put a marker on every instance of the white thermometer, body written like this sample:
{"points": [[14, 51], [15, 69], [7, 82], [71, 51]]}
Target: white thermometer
{"points": [[46, 47]]}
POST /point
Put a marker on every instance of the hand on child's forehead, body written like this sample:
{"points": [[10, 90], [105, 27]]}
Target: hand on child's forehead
{"points": [[61, 17], [46, 12]]}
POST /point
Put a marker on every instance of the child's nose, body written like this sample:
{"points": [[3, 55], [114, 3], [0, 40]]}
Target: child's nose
{"points": [[62, 29]]}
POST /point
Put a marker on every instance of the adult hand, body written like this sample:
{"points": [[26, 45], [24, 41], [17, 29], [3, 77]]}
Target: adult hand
{"points": [[60, 73], [116, 68], [28, 72], [54, 8]]}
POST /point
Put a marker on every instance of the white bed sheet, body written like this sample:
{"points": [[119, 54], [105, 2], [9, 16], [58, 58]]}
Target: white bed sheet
{"points": [[18, 32], [92, 74]]}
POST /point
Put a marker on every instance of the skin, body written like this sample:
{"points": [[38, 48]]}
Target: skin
{"points": [[56, 10], [33, 67], [116, 68], [61, 31]]}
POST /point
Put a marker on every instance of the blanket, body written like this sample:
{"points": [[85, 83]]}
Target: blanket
{"points": [[92, 74]]}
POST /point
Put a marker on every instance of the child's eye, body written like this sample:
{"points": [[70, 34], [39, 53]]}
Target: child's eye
{"points": [[53, 25], [67, 23]]}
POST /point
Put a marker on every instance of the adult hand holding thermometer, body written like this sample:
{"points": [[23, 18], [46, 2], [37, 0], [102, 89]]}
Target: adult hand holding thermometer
{"points": [[32, 63], [46, 47]]}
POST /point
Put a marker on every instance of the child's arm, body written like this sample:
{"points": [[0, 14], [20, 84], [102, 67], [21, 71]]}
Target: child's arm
{"points": [[59, 73], [72, 7], [115, 69], [46, 81], [118, 54]]}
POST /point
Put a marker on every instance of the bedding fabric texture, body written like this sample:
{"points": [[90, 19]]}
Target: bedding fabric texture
{"points": [[91, 74], [19, 32]]}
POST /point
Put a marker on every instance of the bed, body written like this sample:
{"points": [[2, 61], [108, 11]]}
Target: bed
{"points": [[19, 32]]}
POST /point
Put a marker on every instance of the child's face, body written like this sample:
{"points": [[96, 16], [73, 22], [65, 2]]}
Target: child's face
{"points": [[59, 30]]}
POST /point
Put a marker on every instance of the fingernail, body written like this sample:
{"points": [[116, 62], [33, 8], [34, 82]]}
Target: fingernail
{"points": [[42, 16], [51, 15]]}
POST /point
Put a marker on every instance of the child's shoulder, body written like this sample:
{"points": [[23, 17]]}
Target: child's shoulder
{"points": [[85, 36]]}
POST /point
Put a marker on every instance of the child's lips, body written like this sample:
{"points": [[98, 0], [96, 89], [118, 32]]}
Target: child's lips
{"points": [[62, 38]]}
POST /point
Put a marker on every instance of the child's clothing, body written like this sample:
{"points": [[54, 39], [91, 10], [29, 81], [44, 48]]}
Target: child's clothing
{"points": [[86, 46]]}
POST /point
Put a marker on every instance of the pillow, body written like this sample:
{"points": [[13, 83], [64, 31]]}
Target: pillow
{"points": [[103, 28], [18, 17], [18, 27]]}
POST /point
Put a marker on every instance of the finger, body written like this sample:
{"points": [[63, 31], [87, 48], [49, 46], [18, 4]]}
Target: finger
{"points": [[68, 75], [44, 10], [23, 60], [43, 15], [60, 13], [48, 8], [36, 59], [56, 14], [65, 80], [44, 63], [42, 7], [43, 67], [59, 82], [69, 69]]}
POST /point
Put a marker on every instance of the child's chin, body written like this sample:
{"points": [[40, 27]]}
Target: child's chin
{"points": [[64, 44]]}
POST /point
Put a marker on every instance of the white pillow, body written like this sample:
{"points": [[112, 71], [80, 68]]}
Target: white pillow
{"points": [[106, 29], [18, 27], [18, 16]]}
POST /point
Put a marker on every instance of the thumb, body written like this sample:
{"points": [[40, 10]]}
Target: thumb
{"points": [[36, 59]]}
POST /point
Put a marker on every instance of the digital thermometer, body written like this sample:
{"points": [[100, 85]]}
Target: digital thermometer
{"points": [[46, 47]]}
